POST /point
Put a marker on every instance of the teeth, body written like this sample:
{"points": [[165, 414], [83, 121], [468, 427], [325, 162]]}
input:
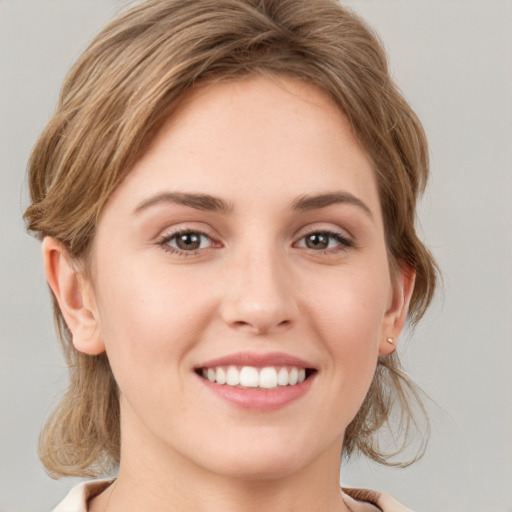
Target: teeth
{"points": [[282, 377], [268, 378], [233, 376], [249, 377], [220, 376], [293, 377], [252, 377]]}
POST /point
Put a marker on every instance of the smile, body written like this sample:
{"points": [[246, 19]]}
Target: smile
{"points": [[268, 377], [258, 382]]}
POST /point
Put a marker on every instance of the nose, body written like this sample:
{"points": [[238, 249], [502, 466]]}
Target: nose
{"points": [[259, 297]]}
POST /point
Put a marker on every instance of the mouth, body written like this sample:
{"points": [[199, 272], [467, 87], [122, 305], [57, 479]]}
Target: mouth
{"points": [[258, 382], [251, 377], [249, 370]]}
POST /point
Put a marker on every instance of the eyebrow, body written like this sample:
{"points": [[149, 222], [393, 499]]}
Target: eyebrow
{"points": [[317, 201], [210, 203], [197, 201]]}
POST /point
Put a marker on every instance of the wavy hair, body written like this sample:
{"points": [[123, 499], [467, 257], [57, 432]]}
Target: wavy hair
{"points": [[116, 97]]}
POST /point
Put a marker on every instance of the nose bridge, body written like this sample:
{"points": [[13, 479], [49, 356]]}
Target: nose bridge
{"points": [[259, 297]]}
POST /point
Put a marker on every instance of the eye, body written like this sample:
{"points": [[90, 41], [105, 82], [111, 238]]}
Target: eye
{"points": [[324, 241], [186, 241]]}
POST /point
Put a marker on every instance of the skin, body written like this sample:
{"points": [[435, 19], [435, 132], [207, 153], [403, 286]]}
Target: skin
{"points": [[256, 284]]}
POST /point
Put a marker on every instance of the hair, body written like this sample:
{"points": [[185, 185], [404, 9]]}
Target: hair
{"points": [[116, 97]]}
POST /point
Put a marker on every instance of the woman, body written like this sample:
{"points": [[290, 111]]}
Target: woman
{"points": [[226, 198]]}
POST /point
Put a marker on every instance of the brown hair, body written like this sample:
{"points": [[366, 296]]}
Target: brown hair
{"points": [[119, 93]]}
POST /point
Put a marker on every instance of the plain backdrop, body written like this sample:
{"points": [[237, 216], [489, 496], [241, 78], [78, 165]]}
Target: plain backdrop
{"points": [[453, 60]]}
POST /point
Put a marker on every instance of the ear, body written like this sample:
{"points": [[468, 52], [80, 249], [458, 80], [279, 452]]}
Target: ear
{"points": [[75, 297], [396, 315]]}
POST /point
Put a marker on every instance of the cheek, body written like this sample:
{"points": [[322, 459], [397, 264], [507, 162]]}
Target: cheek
{"points": [[353, 304], [349, 313], [147, 319]]}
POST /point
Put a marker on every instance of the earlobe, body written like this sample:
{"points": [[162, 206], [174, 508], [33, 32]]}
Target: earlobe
{"points": [[74, 296], [396, 315]]}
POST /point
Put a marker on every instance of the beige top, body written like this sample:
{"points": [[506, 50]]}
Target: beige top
{"points": [[359, 500]]}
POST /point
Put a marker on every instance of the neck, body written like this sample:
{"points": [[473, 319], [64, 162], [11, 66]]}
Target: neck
{"points": [[178, 487], [295, 493], [156, 477]]}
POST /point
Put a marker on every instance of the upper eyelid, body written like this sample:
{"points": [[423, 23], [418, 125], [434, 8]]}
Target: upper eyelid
{"points": [[344, 233], [331, 234], [173, 234], [171, 231], [165, 238]]}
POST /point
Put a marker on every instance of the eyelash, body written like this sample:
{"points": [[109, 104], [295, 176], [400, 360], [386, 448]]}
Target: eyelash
{"points": [[164, 242], [344, 243]]}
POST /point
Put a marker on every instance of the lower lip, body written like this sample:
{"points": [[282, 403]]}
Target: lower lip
{"points": [[259, 399]]}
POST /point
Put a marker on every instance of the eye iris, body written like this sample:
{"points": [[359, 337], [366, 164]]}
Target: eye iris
{"points": [[317, 241], [188, 241]]}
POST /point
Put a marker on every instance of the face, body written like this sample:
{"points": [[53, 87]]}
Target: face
{"points": [[240, 283]]}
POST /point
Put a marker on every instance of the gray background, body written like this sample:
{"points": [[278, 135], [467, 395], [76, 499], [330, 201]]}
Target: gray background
{"points": [[453, 60]]}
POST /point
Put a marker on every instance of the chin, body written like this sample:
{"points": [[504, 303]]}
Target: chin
{"points": [[261, 470], [261, 461]]}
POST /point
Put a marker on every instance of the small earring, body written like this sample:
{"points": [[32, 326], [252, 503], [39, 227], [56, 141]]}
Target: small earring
{"points": [[390, 340]]}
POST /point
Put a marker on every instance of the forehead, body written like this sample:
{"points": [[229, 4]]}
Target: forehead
{"points": [[272, 136]]}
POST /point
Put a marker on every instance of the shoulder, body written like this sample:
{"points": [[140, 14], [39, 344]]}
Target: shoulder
{"points": [[363, 500], [77, 498]]}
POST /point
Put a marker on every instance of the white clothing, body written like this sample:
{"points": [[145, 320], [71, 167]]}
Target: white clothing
{"points": [[359, 500]]}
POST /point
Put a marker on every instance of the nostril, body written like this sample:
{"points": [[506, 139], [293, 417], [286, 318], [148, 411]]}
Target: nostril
{"points": [[261, 326]]}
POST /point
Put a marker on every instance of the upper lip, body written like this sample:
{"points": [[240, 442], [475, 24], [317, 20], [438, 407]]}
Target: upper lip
{"points": [[257, 360]]}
